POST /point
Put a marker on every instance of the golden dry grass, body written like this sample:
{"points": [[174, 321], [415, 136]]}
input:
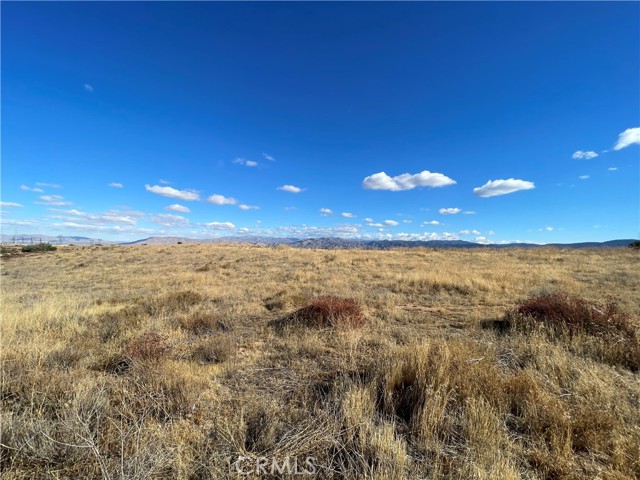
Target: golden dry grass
{"points": [[175, 361]]}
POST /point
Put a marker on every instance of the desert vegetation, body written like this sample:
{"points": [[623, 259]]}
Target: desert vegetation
{"points": [[214, 361]]}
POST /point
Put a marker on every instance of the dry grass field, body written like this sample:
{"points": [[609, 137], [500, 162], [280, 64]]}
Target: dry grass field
{"points": [[215, 362]]}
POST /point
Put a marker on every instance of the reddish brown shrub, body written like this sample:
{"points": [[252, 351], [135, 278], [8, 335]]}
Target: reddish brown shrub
{"points": [[331, 312], [562, 311], [150, 346]]}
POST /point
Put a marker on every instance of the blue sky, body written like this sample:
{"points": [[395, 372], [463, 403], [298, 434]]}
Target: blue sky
{"points": [[488, 122]]}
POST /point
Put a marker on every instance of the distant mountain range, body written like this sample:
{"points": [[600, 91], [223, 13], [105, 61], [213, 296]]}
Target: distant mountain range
{"points": [[342, 243], [323, 243]]}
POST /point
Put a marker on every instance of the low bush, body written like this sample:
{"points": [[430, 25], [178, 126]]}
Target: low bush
{"points": [[601, 331], [331, 312], [149, 346], [561, 311], [38, 247], [214, 350]]}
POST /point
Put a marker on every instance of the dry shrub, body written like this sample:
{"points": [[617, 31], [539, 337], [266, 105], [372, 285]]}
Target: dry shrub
{"points": [[562, 311], [172, 302], [331, 312], [214, 350], [201, 323], [600, 331], [150, 346], [205, 268]]}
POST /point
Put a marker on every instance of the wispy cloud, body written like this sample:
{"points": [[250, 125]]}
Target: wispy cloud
{"points": [[390, 223], [612, 169], [325, 212], [432, 222], [9, 205], [88, 88], [406, 181], [367, 219], [221, 200], [584, 155], [220, 225], [116, 185], [290, 189], [268, 157], [164, 182], [109, 217], [449, 211], [583, 177], [48, 185], [494, 188], [187, 195], [347, 215], [248, 207], [169, 220], [176, 207], [628, 137], [246, 163], [30, 189], [53, 200]]}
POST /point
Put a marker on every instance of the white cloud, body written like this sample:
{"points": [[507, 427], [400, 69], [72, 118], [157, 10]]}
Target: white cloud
{"points": [[583, 177], [548, 229], [449, 211], [475, 232], [290, 189], [368, 220], [109, 217], [464, 232], [48, 185], [29, 189], [248, 207], [187, 195], [490, 232], [325, 212], [390, 223], [268, 157], [407, 221], [290, 209], [221, 225], [19, 223], [115, 185], [584, 155], [483, 240], [246, 163], [88, 88], [628, 137], [9, 205], [468, 212], [348, 215], [176, 207], [502, 187], [221, 200], [169, 220], [53, 200], [433, 222], [612, 169], [164, 182], [406, 181], [375, 225]]}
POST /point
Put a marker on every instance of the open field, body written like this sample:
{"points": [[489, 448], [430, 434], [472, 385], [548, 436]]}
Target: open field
{"points": [[189, 361]]}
